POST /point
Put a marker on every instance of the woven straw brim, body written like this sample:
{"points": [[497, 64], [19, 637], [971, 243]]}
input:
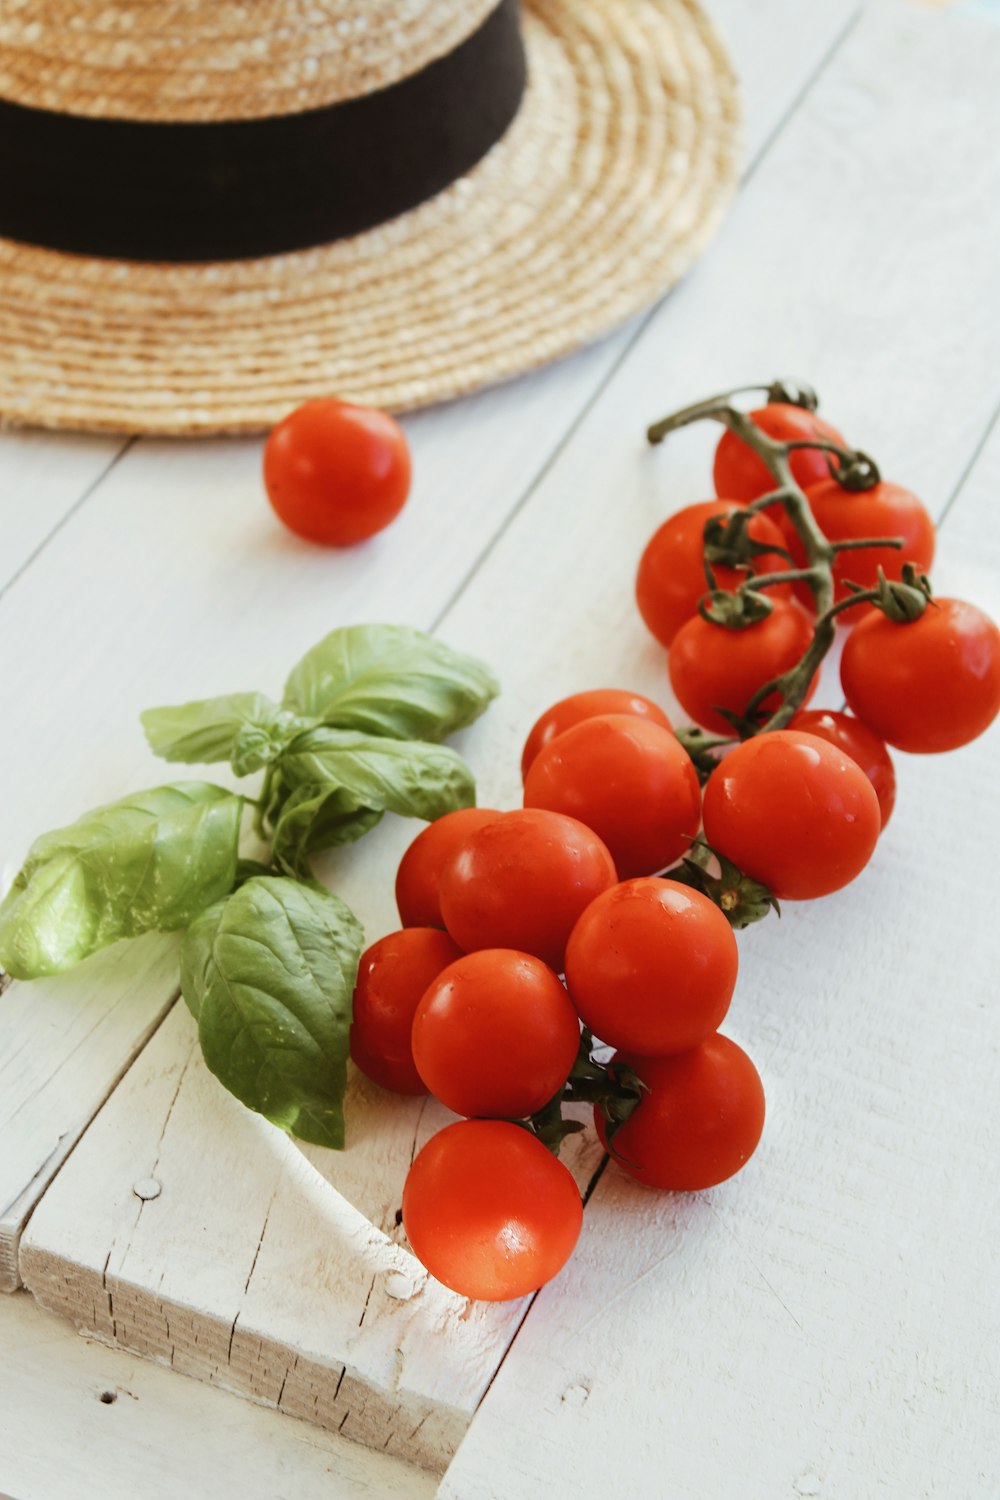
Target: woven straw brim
{"points": [[609, 183]]}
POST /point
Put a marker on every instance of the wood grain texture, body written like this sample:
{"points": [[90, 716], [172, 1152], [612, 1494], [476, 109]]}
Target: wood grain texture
{"points": [[79, 1421], [172, 581], [828, 1323], [42, 478]]}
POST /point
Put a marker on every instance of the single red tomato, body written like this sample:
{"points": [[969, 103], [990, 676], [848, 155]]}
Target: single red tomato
{"points": [[522, 881], [857, 741], [699, 1122], [392, 977], [579, 706], [337, 473], [928, 685], [671, 577], [651, 966], [712, 667], [629, 780], [740, 475], [793, 812], [495, 1034], [489, 1211], [418, 878], [884, 510]]}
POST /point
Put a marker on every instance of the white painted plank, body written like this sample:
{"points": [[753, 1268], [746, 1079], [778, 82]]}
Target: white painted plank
{"points": [[134, 602], [42, 477], [828, 1323], [317, 1311], [158, 1436]]}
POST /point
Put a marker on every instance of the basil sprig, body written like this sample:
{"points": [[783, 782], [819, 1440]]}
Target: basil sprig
{"points": [[269, 956]]}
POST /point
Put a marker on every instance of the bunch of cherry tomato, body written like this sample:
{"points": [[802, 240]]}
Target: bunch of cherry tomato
{"points": [[599, 916], [467, 1000]]}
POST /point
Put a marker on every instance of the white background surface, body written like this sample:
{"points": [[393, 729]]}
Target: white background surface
{"points": [[827, 1323]]}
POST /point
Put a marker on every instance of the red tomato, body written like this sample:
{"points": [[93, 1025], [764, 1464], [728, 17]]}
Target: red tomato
{"points": [[928, 685], [522, 881], [392, 976], [495, 1034], [489, 1211], [628, 780], [885, 510], [671, 577], [740, 475], [712, 667], [857, 741], [793, 812], [573, 710], [418, 878], [698, 1124], [651, 966], [337, 473]]}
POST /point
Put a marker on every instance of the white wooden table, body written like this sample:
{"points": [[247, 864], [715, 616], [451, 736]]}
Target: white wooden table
{"points": [[827, 1324]]}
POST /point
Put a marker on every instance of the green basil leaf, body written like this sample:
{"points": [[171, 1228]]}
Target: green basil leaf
{"points": [[246, 728], [409, 777], [269, 973], [316, 816], [390, 680], [154, 859]]}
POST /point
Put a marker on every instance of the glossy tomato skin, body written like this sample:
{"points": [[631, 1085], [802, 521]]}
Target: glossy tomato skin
{"points": [[860, 743], [495, 1034], [489, 1211], [885, 510], [651, 966], [589, 705], [700, 1121], [522, 881], [793, 812], [392, 977], [671, 577], [418, 879], [932, 684], [712, 667], [337, 473], [740, 475], [628, 780]]}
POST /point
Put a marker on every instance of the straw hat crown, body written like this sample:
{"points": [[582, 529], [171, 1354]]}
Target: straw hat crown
{"points": [[218, 59]]}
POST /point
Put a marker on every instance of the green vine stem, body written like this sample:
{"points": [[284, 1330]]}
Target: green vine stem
{"points": [[741, 899], [742, 607]]}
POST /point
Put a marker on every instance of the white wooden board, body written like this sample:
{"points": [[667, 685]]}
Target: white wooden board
{"points": [[551, 604], [172, 581], [79, 1421], [43, 476]]}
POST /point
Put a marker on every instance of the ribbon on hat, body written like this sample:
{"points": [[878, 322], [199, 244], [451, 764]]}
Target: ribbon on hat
{"points": [[228, 190]]}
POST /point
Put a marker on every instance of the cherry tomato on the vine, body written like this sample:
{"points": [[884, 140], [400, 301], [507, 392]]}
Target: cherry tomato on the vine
{"points": [[740, 475], [588, 705], [860, 743], [337, 473], [699, 1121], [793, 812], [489, 1211], [713, 667], [418, 878], [522, 881], [671, 577], [392, 977], [495, 1034], [651, 966], [627, 779], [927, 685], [885, 510]]}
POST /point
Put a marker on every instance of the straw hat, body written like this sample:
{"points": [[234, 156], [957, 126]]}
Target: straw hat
{"points": [[592, 189]]}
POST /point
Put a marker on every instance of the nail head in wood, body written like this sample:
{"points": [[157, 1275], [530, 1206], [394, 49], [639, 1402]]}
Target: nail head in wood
{"points": [[146, 1188]]}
